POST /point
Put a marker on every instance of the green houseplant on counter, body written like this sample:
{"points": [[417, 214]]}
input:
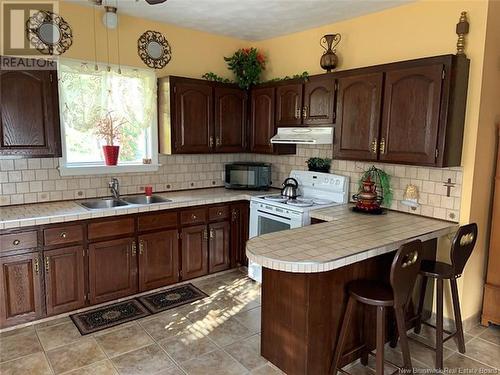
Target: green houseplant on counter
{"points": [[319, 164], [382, 181]]}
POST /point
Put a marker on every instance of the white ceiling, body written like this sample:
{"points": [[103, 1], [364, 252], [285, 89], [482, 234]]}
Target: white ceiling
{"points": [[251, 19]]}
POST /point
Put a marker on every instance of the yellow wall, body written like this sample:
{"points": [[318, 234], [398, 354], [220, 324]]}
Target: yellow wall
{"points": [[423, 28], [193, 52]]}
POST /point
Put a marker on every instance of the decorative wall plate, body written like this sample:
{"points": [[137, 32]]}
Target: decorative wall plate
{"points": [[49, 33], [154, 50]]}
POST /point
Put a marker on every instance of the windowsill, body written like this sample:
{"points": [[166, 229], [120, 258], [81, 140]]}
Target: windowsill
{"points": [[105, 169]]}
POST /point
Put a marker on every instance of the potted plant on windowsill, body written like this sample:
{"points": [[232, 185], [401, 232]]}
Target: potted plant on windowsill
{"points": [[319, 164], [109, 129]]}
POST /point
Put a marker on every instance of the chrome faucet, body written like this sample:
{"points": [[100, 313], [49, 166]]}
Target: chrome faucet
{"points": [[114, 187]]}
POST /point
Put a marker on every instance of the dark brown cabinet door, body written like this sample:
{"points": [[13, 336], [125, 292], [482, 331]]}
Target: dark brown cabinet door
{"points": [[411, 115], [262, 120], [64, 279], [319, 101], [158, 259], [230, 119], [112, 270], [289, 105], [194, 251], [239, 233], [193, 117], [29, 121], [20, 299], [358, 117], [219, 248]]}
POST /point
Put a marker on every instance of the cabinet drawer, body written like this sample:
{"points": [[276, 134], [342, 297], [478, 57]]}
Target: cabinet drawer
{"points": [[63, 235], [218, 213], [111, 228], [194, 216], [157, 221], [18, 241]]}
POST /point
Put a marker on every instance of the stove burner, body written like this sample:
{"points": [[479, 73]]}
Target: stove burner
{"points": [[300, 202], [321, 201], [276, 198]]}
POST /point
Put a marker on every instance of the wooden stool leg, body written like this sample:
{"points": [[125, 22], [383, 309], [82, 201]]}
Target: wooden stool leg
{"points": [[439, 323], [342, 336], [364, 352], [420, 307], [394, 339], [405, 349], [379, 368], [458, 316]]}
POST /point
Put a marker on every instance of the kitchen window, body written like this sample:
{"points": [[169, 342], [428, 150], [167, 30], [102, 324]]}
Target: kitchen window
{"points": [[125, 94]]}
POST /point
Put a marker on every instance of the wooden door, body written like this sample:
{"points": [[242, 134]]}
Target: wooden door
{"points": [[319, 101], [158, 259], [230, 119], [192, 117], [358, 117], [410, 123], [194, 251], [219, 247], [112, 270], [64, 279], [239, 233], [262, 126], [29, 121], [289, 105], [21, 295]]}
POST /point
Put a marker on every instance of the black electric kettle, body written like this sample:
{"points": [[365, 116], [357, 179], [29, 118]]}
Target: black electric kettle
{"points": [[290, 188]]}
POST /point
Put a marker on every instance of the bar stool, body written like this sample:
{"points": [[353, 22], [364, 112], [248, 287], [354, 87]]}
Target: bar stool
{"points": [[404, 272], [461, 249]]}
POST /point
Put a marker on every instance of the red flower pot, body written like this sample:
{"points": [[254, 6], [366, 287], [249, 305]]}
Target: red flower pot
{"points": [[111, 154]]}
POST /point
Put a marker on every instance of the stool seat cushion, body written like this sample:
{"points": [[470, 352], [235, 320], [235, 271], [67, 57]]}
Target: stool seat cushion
{"points": [[371, 292], [436, 270]]}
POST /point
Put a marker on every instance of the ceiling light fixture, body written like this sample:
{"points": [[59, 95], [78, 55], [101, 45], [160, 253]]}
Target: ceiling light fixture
{"points": [[110, 19]]}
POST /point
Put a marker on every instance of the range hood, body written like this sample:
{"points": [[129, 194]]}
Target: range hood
{"points": [[304, 136]]}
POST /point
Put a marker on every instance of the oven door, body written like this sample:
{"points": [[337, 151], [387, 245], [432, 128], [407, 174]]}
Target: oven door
{"points": [[264, 220]]}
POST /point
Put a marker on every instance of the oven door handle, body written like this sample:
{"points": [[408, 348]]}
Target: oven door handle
{"points": [[263, 213]]}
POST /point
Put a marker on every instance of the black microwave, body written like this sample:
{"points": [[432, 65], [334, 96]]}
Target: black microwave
{"points": [[248, 175]]}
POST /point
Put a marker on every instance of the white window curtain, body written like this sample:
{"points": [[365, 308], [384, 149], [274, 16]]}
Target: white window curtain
{"points": [[87, 94]]}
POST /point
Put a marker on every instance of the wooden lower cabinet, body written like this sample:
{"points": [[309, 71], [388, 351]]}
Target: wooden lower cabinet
{"points": [[194, 251], [112, 269], [21, 295], [64, 279], [158, 259], [239, 233], [219, 246]]}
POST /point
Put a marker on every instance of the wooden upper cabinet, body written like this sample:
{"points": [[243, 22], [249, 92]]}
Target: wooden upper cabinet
{"points": [[319, 101], [192, 117], [358, 116], [262, 126], [29, 122], [410, 121], [158, 259], [20, 292], [194, 251], [289, 105], [230, 119], [220, 245], [64, 279]]}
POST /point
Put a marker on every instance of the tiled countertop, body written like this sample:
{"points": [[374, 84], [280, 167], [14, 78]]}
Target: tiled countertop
{"points": [[45, 213], [345, 238]]}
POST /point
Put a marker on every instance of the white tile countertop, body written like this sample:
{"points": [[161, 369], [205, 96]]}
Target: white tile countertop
{"points": [[45, 213], [347, 237]]}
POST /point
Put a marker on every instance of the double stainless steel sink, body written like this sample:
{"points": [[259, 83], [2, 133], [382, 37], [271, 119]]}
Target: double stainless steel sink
{"points": [[137, 200]]}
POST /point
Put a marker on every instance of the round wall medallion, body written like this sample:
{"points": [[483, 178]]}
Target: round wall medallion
{"points": [[49, 33], [154, 50]]}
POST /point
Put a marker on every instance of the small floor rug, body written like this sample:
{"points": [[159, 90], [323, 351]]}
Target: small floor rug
{"points": [[171, 298], [109, 316]]}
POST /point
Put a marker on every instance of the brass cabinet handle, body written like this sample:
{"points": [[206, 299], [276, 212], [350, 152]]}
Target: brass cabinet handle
{"points": [[134, 249], [47, 264], [141, 247], [211, 142], [218, 141], [194, 217], [374, 146], [234, 215], [219, 213], [16, 242], [212, 233], [205, 234], [63, 235], [297, 113], [37, 265], [382, 146], [304, 112]]}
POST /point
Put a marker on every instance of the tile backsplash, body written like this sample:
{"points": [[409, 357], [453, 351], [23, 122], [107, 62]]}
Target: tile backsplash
{"points": [[38, 180]]}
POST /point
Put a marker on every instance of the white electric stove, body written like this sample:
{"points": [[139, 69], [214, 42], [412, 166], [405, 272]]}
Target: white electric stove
{"points": [[272, 213]]}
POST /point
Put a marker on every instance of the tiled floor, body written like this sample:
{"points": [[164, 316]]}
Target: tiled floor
{"points": [[218, 335]]}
